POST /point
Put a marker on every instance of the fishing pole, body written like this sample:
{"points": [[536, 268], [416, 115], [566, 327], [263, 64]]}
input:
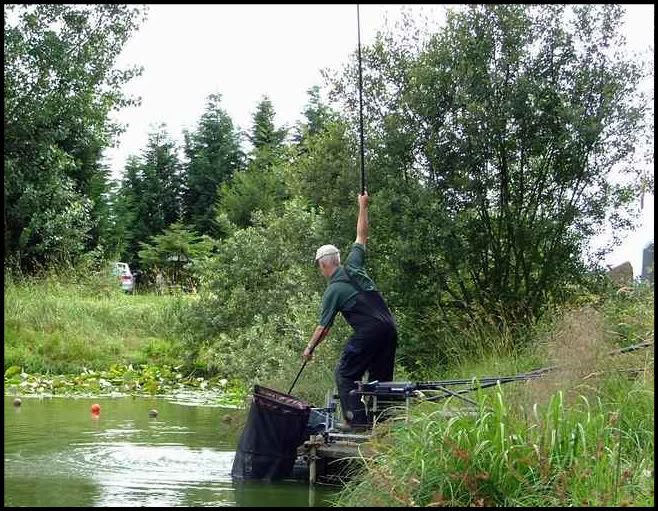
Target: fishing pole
{"points": [[363, 172]]}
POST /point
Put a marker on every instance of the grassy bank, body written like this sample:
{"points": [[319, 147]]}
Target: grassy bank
{"points": [[81, 332], [55, 326], [596, 452], [581, 436]]}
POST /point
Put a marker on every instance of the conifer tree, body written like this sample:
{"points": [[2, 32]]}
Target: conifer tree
{"points": [[214, 155], [261, 186]]}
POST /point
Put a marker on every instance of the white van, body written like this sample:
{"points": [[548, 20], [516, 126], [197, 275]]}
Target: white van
{"points": [[126, 278]]}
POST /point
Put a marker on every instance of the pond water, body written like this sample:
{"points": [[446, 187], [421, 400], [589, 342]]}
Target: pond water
{"points": [[57, 453]]}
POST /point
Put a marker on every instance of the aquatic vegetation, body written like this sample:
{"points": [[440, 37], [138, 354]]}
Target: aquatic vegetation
{"points": [[123, 379]]}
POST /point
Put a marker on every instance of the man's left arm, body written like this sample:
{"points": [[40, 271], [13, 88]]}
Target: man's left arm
{"points": [[362, 220]]}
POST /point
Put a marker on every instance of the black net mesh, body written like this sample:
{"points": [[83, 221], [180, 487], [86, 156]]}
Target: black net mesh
{"points": [[275, 427]]}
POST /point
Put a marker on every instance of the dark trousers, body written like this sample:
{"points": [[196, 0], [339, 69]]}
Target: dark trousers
{"points": [[373, 352]]}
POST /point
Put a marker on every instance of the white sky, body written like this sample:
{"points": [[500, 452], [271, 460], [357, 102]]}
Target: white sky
{"points": [[246, 51]]}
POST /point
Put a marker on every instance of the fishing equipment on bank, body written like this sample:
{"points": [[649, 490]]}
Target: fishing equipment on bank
{"points": [[284, 434]]}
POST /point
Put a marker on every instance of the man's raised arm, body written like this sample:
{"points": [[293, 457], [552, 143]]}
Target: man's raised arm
{"points": [[362, 221]]}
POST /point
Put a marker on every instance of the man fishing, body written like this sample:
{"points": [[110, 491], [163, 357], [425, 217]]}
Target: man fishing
{"points": [[372, 346]]}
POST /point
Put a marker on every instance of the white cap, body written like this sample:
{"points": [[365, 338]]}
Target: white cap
{"points": [[326, 250]]}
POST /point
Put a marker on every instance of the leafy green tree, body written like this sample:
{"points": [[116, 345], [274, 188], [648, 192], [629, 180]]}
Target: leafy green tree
{"points": [[162, 181], [214, 155], [60, 85], [326, 173], [55, 219], [126, 211], [507, 123], [249, 274], [260, 295], [317, 116], [175, 252], [150, 197], [249, 191]]}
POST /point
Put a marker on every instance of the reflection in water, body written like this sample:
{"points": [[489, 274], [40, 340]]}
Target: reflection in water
{"points": [[293, 493], [56, 455], [160, 475]]}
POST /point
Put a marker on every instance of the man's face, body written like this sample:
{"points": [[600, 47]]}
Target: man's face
{"points": [[325, 269]]}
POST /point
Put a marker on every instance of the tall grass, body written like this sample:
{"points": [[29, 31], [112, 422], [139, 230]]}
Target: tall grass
{"points": [[65, 322], [580, 436], [599, 453]]}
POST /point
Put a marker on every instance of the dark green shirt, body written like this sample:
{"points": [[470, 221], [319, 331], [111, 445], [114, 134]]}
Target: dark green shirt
{"points": [[340, 293]]}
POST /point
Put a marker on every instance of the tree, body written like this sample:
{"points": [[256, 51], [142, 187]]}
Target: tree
{"points": [[250, 191], [317, 116], [162, 181], [511, 120], [325, 172], [261, 186], [214, 155], [128, 230], [256, 270], [60, 85], [150, 195], [176, 252], [266, 139]]}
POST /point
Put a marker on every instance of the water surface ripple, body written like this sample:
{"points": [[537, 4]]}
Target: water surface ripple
{"points": [[58, 454]]}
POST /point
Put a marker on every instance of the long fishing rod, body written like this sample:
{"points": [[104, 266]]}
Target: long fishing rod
{"points": [[363, 172]]}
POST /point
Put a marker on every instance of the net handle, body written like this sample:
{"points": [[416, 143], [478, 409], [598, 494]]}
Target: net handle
{"points": [[297, 378]]}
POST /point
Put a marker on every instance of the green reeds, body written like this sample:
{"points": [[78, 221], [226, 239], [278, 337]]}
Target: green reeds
{"points": [[592, 453]]}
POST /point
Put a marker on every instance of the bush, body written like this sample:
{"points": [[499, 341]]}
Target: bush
{"points": [[253, 293]]}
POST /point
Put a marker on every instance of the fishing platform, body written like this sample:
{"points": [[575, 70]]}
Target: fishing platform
{"points": [[287, 438], [326, 455]]}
